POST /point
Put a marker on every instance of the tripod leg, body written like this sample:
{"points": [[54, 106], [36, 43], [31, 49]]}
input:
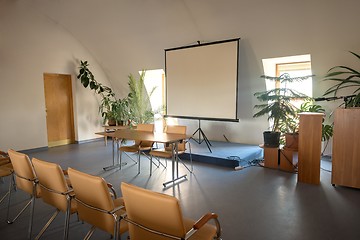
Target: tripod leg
{"points": [[208, 144], [192, 137]]}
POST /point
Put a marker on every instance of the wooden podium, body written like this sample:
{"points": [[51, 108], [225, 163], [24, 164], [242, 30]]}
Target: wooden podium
{"points": [[346, 148], [310, 130]]}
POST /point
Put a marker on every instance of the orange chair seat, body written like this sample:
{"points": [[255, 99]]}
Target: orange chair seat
{"points": [[162, 153], [134, 148]]}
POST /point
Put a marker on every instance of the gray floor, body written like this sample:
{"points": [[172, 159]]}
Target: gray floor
{"points": [[254, 203]]}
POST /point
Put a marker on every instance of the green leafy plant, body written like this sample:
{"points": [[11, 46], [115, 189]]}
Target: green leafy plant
{"points": [[278, 103], [88, 80], [122, 110], [110, 107], [345, 77], [139, 100]]}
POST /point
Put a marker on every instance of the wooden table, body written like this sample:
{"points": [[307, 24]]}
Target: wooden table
{"points": [[166, 138], [111, 129]]}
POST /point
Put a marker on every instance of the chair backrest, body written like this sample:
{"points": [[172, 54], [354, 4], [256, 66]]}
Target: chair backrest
{"points": [[152, 210], [176, 129], [93, 191], [24, 172], [4, 158], [145, 128], [51, 176]]}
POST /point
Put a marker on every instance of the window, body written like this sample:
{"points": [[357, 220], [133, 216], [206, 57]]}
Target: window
{"points": [[156, 79], [296, 70], [299, 65]]}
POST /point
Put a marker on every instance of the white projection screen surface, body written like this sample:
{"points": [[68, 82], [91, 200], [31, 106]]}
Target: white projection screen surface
{"points": [[202, 80]]}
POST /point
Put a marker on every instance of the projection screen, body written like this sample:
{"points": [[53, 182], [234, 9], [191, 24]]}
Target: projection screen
{"points": [[202, 80]]}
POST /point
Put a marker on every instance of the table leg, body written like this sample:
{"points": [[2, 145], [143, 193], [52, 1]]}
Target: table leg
{"points": [[119, 164], [105, 137], [175, 164]]}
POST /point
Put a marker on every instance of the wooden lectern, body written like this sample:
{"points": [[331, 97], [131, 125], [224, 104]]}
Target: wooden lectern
{"points": [[346, 148], [310, 130]]}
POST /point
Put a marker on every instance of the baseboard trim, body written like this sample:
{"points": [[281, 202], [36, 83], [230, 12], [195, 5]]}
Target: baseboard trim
{"points": [[45, 148], [90, 140], [31, 150]]}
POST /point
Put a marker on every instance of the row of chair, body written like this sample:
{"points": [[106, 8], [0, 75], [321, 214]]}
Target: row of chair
{"points": [[150, 215], [144, 147]]}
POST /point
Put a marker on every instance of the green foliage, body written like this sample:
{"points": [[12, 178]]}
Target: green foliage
{"points": [[110, 107], [278, 104], [345, 77], [139, 100], [136, 107], [88, 80]]}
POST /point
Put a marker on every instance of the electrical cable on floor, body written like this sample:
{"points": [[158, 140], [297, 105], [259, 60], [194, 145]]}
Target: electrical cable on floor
{"points": [[325, 170], [290, 161], [323, 158], [245, 164]]}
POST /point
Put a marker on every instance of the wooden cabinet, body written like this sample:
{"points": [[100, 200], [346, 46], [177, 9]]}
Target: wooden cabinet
{"points": [[346, 148], [310, 129]]}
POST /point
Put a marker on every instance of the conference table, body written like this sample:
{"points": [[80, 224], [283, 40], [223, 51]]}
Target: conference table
{"points": [[160, 137]]}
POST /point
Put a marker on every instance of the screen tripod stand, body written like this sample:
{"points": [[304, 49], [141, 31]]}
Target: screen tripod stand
{"points": [[201, 137]]}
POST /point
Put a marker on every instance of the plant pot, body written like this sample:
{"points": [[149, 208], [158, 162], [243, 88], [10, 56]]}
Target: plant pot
{"points": [[111, 122], [292, 141], [271, 139]]}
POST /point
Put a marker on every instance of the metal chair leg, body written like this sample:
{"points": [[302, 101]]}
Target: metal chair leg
{"points": [[90, 233], [47, 224], [151, 163], [67, 218], [9, 190], [31, 216], [30, 203], [22, 210], [139, 163]]}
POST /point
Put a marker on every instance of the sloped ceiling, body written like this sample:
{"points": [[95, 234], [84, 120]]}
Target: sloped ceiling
{"points": [[125, 36], [129, 35]]}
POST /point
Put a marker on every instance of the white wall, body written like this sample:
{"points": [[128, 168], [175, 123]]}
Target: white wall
{"points": [[122, 37], [29, 46]]}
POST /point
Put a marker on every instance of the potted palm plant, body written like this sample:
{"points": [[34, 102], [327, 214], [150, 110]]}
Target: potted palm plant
{"points": [[121, 110], [134, 108], [345, 78], [113, 111], [139, 100], [277, 104]]}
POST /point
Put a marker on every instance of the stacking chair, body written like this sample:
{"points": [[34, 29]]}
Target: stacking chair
{"points": [[167, 151], [140, 147], [26, 180], [6, 169], [95, 205], [7, 172], [157, 216], [4, 158], [55, 191]]}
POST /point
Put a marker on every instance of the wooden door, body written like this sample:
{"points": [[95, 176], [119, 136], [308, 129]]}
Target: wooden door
{"points": [[59, 109]]}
